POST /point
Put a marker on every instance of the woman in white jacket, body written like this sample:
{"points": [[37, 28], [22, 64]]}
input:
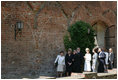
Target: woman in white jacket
{"points": [[95, 60], [87, 64], [61, 63]]}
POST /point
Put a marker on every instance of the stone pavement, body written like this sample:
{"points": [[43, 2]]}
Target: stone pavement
{"points": [[112, 74]]}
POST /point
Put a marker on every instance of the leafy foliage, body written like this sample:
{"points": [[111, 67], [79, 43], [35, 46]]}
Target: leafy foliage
{"points": [[81, 35]]}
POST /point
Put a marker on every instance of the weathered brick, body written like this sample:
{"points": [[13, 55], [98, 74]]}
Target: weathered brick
{"points": [[46, 40]]}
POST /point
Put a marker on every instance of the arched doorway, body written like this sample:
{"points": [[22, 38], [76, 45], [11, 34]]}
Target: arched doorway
{"points": [[111, 41], [100, 28], [106, 37]]}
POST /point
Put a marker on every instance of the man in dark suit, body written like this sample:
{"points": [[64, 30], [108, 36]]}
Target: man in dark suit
{"points": [[111, 58], [80, 60], [101, 59]]}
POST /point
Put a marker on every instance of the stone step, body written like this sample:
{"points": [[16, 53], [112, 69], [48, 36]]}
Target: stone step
{"points": [[47, 77], [112, 74], [71, 77], [87, 75]]}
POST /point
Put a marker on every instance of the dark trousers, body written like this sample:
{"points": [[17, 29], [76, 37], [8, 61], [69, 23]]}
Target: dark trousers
{"points": [[110, 65], [101, 66]]}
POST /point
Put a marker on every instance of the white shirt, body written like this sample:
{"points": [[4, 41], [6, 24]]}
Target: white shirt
{"points": [[60, 59], [106, 59]]}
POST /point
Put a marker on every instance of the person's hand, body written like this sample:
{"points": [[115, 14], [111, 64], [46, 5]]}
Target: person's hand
{"points": [[85, 57], [72, 59], [69, 63]]}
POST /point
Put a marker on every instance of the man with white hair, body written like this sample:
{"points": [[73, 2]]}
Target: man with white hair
{"points": [[81, 60]]}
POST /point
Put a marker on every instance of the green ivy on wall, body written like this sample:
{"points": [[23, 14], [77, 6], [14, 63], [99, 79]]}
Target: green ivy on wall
{"points": [[81, 34]]}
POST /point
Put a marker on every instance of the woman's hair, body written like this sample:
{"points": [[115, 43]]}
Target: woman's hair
{"points": [[104, 49], [87, 49], [95, 50], [61, 51], [69, 49]]}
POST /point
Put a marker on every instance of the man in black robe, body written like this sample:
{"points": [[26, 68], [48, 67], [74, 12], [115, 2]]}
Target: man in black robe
{"points": [[75, 65], [80, 61], [101, 59]]}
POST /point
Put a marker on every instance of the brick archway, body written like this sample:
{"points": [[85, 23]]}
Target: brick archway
{"points": [[100, 28], [109, 35], [100, 19], [104, 23]]}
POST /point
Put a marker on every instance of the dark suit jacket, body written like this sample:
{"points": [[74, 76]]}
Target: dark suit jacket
{"points": [[111, 57]]}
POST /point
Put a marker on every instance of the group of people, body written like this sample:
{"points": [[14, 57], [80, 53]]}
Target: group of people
{"points": [[77, 62]]}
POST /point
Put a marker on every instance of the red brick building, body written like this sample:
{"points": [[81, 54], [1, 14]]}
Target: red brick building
{"points": [[32, 49]]}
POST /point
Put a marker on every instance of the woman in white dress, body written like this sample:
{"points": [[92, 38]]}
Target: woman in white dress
{"points": [[61, 63], [87, 57]]}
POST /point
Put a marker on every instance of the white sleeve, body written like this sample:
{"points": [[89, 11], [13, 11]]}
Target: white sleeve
{"points": [[64, 61], [106, 58], [96, 56], [56, 58]]}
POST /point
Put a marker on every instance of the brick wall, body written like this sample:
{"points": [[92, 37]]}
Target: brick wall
{"points": [[45, 24]]}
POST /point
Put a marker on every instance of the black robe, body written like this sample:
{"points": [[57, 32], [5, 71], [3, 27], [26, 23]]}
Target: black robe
{"points": [[101, 60], [76, 67], [68, 59], [81, 62]]}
